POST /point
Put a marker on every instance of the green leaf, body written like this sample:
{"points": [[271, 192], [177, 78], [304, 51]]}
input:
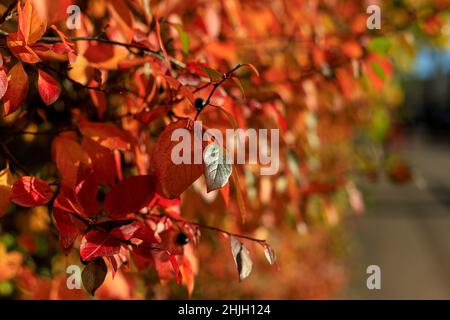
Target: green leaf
{"points": [[184, 38], [238, 83], [217, 170], [378, 70], [93, 275], [212, 74], [379, 45]]}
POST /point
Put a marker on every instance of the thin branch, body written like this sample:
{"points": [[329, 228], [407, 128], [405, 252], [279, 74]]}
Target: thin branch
{"points": [[92, 225], [62, 75], [49, 132], [216, 85], [153, 53], [204, 226]]}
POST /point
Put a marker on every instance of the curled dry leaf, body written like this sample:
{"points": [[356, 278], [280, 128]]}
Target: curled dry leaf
{"points": [[269, 253], [217, 168], [93, 275], [241, 257]]}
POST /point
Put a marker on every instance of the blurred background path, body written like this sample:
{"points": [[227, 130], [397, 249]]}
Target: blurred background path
{"points": [[406, 231]]}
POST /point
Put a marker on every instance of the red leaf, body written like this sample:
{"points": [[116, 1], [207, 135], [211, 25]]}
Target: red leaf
{"points": [[96, 244], [147, 117], [126, 232], [48, 88], [118, 260], [130, 195], [174, 178], [66, 201], [99, 100], [99, 52], [176, 268], [67, 230], [30, 192], [17, 88], [103, 162], [3, 83], [86, 190], [164, 202]]}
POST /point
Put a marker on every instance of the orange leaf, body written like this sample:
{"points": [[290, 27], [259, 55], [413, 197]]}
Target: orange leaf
{"points": [[252, 67], [19, 48], [174, 178], [68, 155], [17, 88], [31, 25], [107, 135]]}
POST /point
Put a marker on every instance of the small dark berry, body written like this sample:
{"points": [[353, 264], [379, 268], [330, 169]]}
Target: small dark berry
{"points": [[182, 239], [199, 103]]}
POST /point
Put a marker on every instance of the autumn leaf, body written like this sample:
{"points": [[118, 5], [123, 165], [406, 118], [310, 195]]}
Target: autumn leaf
{"points": [[93, 275], [17, 88], [47, 87], [66, 229], [98, 243], [19, 48], [103, 162], [241, 257], [174, 178], [86, 190], [217, 170], [31, 192], [31, 25], [176, 268], [105, 134], [130, 195], [69, 155], [66, 201], [269, 253], [212, 74]]}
